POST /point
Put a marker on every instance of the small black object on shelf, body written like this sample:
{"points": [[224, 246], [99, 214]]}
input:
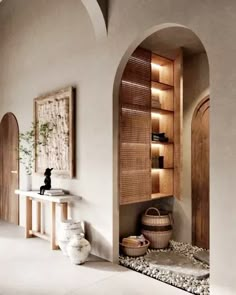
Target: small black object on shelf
{"points": [[161, 162], [47, 181], [159, 137]]}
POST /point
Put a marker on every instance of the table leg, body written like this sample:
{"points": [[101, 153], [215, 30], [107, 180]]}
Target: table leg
{"points": [[28, 226], [64, 211], [38, 216], [53, 226]]}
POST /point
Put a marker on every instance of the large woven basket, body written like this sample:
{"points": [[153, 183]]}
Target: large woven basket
{"points": [[135, 251], [157, 228]]}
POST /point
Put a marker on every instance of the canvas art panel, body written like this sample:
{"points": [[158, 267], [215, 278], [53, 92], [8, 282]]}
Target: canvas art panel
{"points": [[57, 110]]}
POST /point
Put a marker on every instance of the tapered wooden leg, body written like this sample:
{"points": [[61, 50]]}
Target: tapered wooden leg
{"points": [[64, 211], [53, 226], [38, 216], [28, 226]]}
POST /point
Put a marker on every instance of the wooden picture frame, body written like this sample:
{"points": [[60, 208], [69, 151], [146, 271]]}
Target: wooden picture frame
{"points": [[57, 108]]}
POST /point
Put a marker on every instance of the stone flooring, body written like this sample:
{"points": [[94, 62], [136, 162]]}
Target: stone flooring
{"points": [[175, 266], [29, 267], [203, 256], [176, 263]]}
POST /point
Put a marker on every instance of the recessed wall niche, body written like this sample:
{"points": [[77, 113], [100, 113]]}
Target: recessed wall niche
{"points": [[150, 125]]}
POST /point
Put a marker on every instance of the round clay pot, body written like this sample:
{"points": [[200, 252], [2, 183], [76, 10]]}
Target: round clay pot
{"points": [[78, 249]]}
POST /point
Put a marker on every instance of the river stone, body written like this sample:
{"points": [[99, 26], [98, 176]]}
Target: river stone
{"points": [[176, 263], [203, 256]]}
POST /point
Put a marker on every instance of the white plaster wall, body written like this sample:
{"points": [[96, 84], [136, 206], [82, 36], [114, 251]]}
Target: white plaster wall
{"points": [[195, 88], [46, 45], [35, 58]]}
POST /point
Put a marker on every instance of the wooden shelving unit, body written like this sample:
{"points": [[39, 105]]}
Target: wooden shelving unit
{"points": [[150, 102], [162, 109]]}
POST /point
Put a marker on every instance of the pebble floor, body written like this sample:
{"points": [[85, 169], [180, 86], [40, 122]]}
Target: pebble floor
{"points": [[187, 283]]}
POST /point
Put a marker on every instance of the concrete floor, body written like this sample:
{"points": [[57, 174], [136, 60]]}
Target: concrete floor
{"points": [[29, 267]]}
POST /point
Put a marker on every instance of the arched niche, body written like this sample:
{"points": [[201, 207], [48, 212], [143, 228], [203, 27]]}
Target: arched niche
{"points": [[180, 206]]}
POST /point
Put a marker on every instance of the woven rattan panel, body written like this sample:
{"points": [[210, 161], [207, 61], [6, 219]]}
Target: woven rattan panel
{"points": [[135, 91], [135, 128], [139, 65]]}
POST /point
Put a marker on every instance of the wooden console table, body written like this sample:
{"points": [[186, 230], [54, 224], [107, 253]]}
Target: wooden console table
{"points": [[62, 201]]}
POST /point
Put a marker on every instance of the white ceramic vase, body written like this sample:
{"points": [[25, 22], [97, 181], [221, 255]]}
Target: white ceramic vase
{"points": [[68, 228], [78, 249]]}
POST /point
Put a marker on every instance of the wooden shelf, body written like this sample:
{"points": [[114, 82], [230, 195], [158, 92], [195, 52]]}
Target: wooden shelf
{"points": [[161, 60], [161, 86], [155, 169], [164, 143], [153, 197], [161, 111], [162, 70], [153, 142], [160, 196]]}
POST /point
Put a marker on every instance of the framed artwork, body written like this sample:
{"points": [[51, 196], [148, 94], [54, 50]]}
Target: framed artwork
{"points": [[56, 110]]}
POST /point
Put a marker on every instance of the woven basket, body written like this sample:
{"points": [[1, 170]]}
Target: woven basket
{"points": [[157, 228], [135, 251]]}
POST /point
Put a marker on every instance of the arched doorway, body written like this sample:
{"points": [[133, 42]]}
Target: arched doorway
{"points": [[9, 168], [200, 174]]}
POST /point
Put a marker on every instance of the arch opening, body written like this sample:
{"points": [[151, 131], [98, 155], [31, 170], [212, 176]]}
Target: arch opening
{"points": [[9, 168], [169, 41]]}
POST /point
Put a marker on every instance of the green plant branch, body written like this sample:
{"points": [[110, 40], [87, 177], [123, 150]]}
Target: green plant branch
{"points": [[29, 145]]}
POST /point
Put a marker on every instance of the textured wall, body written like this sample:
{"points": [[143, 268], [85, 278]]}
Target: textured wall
{"points": [[46, 45], [50, 44]]}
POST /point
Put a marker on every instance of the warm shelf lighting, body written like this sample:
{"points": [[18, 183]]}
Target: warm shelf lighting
{"points": [[156, 145], [156, 170], [156, 66], [156, 91], [156, 116]]}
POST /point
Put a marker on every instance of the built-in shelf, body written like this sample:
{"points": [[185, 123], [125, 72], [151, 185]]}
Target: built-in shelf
{"points": [[161, 111], [164, 143], [160, 195], [161, 86], [149, 103], [156, 169], [162, 122], [153, 197]]}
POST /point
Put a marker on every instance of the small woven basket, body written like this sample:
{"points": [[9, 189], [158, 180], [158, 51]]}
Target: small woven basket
{"points": [[135, 251]]}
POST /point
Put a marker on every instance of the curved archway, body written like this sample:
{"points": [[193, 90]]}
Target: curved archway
{"points": [[9, 168], [97, 14], [180, 205]]}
